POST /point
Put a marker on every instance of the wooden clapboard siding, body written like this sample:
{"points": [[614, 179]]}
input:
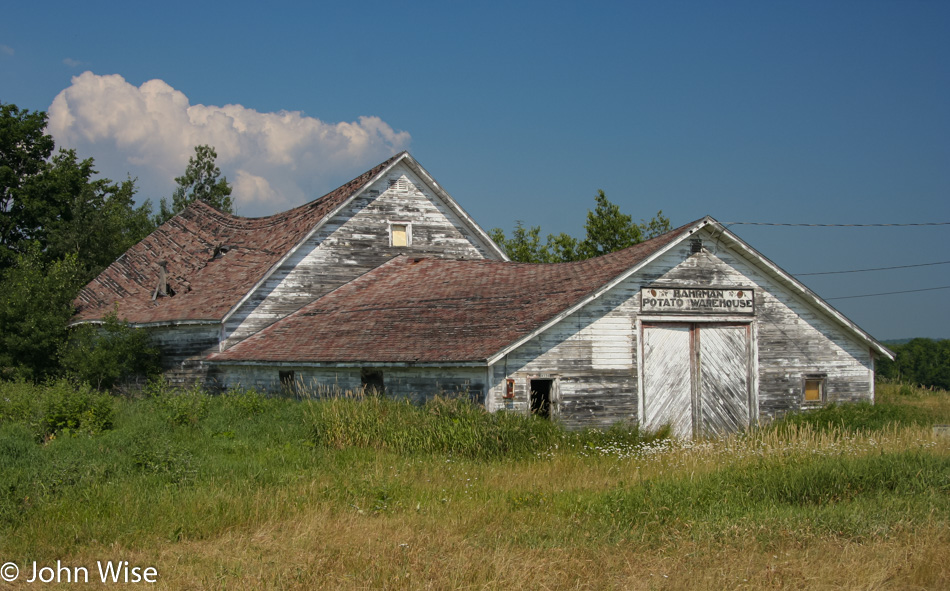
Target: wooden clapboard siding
{"points": [[181, 342], [592, 353], [792, 337], [415, 383], [354, 242]]}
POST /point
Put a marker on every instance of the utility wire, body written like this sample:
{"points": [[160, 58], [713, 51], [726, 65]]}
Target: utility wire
{"points": [[835, 225], [874, 269], [870, 295]]}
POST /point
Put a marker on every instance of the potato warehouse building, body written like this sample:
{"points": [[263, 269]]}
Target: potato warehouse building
{"points": [[387, 282]]}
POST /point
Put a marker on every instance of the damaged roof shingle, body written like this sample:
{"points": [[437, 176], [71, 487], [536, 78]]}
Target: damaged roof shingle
{"points": [[213, 259], [435, 310]]}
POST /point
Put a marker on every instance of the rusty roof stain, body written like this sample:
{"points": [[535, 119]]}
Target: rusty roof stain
{"points": [[206, 286], [412, 310]]}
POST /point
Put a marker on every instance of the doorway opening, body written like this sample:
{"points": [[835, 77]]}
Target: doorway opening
{"points": [[541, 397]]}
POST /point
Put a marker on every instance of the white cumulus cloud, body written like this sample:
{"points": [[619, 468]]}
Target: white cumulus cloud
{"points": [[273, 160]]}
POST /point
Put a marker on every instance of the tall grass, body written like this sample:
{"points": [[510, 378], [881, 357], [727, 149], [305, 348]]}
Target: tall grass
{"points": [[243, 490]]}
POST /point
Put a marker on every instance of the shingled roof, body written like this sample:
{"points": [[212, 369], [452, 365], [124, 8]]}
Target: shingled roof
{"points": [[212, 259], [413, 310]]}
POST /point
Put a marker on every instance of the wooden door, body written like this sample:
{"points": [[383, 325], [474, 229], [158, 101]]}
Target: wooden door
{"points": [[696, 378], [667, 380], [724, 378]]}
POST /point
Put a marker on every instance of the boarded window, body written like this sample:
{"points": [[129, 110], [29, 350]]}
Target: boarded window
{"points": [[399, 234], [814, 389]]}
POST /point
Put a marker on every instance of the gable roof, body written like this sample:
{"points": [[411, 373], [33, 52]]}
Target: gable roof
{"points": [[208, 287], [724, 236], [435, 311], [413, 310]]}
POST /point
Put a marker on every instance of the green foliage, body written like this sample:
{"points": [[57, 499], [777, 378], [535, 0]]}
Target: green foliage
{"points": [[152, 453], [59, 227], [180, 406], [861, 416], [35, 305], [55, 408], [76, 409], [524, 245], [107, 355], [252, 462], [770, 488], [442, 425], [919, 361], [56, 204], [202, 181], [607, 230], [247, 402], [24, 149]]}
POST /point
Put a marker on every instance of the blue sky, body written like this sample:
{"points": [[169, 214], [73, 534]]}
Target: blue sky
{"points": [[793, 112]]}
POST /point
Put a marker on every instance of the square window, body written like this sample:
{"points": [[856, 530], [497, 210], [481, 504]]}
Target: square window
{"points": [[399, 235]]}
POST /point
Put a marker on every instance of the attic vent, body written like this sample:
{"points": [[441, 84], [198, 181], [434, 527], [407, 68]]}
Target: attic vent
{"points": [[696, 245], [400, 184]]}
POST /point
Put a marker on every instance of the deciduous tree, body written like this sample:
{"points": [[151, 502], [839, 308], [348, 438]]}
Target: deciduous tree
{"points": [[607, 230], [202, 180]]}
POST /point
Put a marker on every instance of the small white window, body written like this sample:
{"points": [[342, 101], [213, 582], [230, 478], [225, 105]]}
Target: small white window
{"points": [[400, 234]]}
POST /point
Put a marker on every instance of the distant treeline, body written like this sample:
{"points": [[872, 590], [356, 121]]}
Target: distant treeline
{"points": [[919, 361]]}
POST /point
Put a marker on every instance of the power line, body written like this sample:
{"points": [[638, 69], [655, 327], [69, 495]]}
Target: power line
{"points": [[874, 269], [835, 225], [870, 295]]}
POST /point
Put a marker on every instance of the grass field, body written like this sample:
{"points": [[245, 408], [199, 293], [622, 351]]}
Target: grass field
{"points": [[245, 492]]}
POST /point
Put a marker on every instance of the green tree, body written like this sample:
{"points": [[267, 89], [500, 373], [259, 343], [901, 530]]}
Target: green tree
{"points": [[106, 355], [923, 362], [607, 229], [24, 150], [524, 245], [95, 219], [56, 203], [59, 227], [202, 180], [35, 305]]}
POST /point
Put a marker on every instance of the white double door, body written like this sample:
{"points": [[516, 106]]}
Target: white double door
{"points": [[696, 377]]}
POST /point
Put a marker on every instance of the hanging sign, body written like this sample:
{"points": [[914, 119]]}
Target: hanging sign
{"points": [[697, 300]]}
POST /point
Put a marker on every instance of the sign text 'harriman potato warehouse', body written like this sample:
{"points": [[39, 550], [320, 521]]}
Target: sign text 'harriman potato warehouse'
{"points": [[697, 300]]}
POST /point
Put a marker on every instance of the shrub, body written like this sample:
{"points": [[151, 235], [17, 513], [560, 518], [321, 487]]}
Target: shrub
{"points": [[179, 406], [75, 408], [109, 354], [246, 402]]}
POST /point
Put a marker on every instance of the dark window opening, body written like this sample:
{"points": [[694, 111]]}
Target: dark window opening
{"points": [[288, 382], [372, 380], [541, 397]]}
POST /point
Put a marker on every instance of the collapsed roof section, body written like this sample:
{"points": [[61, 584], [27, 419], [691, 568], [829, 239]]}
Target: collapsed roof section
{"points": [[211, 260]]}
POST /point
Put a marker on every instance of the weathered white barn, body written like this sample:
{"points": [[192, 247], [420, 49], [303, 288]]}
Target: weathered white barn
{"points": [[387, 282]]}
